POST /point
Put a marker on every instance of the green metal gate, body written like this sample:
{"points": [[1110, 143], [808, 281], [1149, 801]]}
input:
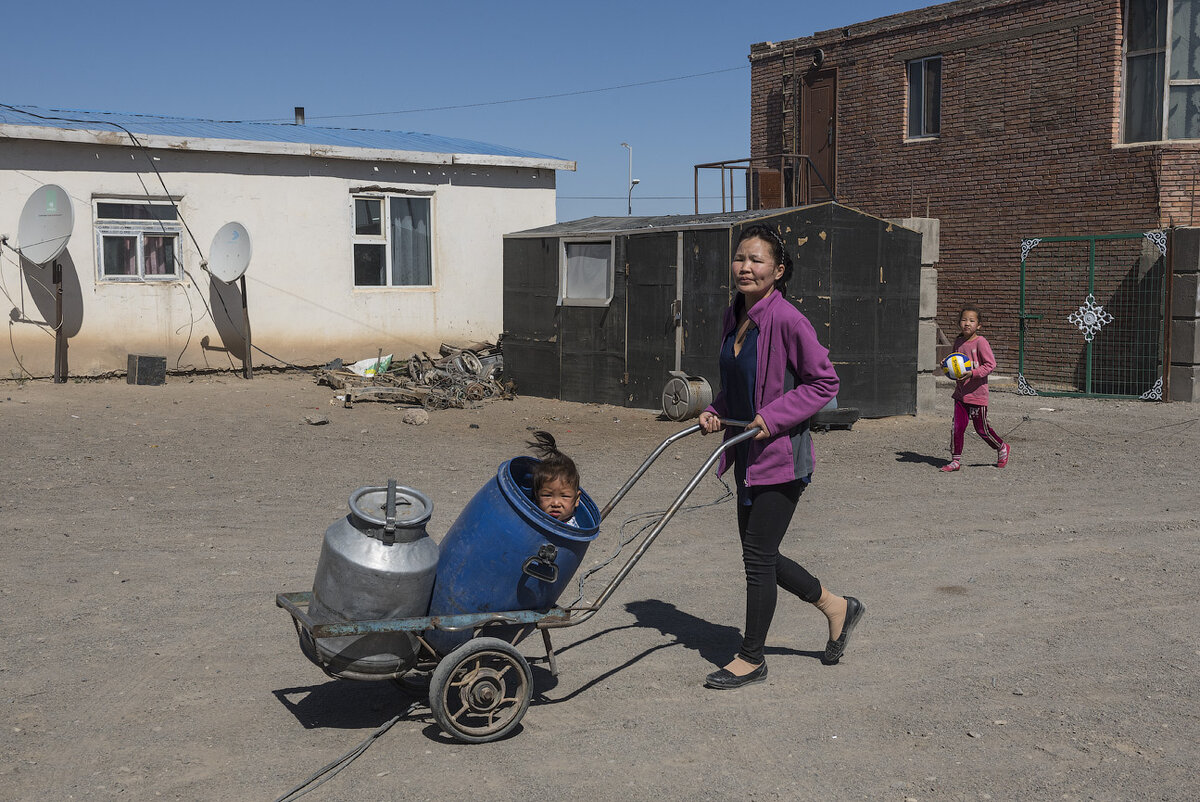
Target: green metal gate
{"points": [[1093, 315]]}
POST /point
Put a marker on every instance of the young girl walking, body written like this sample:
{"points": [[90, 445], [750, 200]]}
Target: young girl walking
{"points": [[971, 391]]}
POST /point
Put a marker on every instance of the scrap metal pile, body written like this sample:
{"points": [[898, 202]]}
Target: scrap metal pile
{"points": [[459, 377]]}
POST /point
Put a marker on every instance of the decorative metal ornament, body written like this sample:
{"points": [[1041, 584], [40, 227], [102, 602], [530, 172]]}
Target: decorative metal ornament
{"points": [[1023, 387], [1028, 245], [1154, 393], [1090, 318], [1159, 238]]}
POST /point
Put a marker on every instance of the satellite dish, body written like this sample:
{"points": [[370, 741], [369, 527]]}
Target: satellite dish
{"points": [[229, 255], [46, 224]]}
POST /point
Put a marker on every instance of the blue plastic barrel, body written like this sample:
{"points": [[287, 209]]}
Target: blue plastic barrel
{"points": [[482, 556]]}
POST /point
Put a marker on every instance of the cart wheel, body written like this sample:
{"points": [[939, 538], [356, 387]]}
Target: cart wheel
{"points": [[481, 690]]}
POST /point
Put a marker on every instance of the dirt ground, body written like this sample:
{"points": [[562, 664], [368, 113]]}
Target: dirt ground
{"points": [[1032, 633]]}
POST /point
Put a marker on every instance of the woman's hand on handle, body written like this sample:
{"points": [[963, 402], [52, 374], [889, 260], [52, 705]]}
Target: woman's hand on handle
{"points": [[710, 423], [762, 428]]}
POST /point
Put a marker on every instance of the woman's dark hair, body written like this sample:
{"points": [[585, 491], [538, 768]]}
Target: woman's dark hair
{"points": [[778, 250], [554, 464]]}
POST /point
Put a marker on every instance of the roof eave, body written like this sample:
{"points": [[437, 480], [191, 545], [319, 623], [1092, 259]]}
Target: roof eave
{"points": [[211, 145]]}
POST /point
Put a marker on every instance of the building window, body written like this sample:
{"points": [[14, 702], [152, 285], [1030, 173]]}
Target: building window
{"points": [[138, 240], [1162, 70], [925, 97], [391, 241], [586, 277]]}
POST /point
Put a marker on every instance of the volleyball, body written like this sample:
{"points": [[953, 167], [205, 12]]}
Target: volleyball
{"points": [[957, 366]]}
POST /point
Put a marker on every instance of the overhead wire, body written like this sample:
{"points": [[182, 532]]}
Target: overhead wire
{"points": [[528, 99]]}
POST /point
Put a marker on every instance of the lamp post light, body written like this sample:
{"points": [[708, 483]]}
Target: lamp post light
{"points": [[632, 181]]}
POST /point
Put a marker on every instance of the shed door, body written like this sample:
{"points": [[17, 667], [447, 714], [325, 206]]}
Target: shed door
{"points": [[650, 322], [818, 133]]}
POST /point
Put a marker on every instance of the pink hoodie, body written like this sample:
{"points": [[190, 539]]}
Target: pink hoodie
{"points": [[974, 388]]}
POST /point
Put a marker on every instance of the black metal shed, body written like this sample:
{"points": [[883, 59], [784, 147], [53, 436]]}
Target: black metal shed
{"points": [[602, 309]]}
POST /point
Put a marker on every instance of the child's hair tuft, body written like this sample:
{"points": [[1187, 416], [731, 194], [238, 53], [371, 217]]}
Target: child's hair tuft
{"points": [[554, 464]]}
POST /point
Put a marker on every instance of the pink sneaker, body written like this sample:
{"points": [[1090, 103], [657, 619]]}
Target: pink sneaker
{"points": [[1002, 456], [952, 465]]}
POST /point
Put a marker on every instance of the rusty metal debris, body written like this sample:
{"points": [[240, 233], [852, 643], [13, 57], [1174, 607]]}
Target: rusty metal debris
{"points": [[460, 377]]}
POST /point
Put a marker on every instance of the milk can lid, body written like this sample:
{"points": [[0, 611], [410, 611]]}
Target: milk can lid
{"points": [[413, 508]]}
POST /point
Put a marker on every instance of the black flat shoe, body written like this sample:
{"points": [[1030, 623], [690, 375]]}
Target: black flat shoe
{"points": [[725, 679], [834, 649]]}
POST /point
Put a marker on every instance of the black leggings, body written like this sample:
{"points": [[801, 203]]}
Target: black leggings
{"points": [[762, 525]]}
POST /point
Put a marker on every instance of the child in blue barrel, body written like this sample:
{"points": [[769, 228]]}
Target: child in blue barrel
{"points": [[555, 480]]}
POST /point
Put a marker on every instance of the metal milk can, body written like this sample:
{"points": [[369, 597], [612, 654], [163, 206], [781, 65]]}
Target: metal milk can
{"points": [[376, 563]]}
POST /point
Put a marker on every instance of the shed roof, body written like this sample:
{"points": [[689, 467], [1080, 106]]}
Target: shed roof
{"points": [[634, 225], [183, 133]]}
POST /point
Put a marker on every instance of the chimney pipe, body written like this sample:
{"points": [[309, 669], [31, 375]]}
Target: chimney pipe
{"points": [[299, 115]]}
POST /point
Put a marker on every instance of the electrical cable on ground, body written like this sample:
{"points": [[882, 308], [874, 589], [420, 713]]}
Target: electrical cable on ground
{"points": [[331, 770]]}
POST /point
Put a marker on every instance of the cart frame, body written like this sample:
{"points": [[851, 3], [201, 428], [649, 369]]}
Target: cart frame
{"points": [[479, 678]]}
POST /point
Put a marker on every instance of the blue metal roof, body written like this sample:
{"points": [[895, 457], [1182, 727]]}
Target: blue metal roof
{"points": [[147, 124]]}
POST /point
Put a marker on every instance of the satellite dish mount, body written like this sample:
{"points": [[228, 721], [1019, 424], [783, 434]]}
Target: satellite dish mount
{"points": [[228, 259], [44, 230]]}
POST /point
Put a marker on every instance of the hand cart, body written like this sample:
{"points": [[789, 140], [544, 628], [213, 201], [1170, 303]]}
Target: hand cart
{"points": [[480, 690]]}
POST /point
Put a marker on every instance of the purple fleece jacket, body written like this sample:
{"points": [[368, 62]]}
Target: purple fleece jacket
{"points": [[794, 380]]}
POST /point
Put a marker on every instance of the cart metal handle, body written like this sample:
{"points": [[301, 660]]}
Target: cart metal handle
{"points": [[695, 427], [594, 607]]}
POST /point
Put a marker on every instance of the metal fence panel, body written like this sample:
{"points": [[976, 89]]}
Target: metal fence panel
{"points": [[1092, 315]]}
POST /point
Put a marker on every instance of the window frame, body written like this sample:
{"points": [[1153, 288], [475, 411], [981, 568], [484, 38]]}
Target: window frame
{"points": [[563, 298], [923, 134], [1164, 89], [384, 238], [106, 227]]}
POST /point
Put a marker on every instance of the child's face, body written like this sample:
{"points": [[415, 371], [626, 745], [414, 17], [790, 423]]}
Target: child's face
{"points": [[968, 324], [558, 499]]}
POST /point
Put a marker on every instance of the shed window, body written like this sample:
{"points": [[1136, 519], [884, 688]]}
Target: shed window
{"points": [[1162, 70], [587, 273], [137, 240], [392, 241], [925, 97]]}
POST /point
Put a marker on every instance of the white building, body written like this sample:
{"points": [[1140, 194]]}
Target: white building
{"points": [[362, 239]]}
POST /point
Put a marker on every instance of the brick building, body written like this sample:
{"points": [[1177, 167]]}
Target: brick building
{"points": [[1007, 120]]}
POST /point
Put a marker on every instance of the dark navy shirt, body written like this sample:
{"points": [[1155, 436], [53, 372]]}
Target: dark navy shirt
{"points": [[738, 374]]}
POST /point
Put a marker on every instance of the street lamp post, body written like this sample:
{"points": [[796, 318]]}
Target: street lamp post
{"points": [[632, 181]]}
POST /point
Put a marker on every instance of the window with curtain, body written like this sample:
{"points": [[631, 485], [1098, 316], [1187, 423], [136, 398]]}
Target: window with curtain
{"points": [[586, 277], [1162, 70], [392, 241], [925, 97], [137, 240]]}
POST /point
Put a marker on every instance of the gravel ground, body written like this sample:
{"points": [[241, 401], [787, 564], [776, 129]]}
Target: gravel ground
{"points": [[1032, 632]]}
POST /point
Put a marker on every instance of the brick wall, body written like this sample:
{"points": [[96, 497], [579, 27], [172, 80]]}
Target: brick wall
{"points": [[1030, 116]]}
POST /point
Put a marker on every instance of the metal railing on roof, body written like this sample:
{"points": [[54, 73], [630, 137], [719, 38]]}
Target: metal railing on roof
{"points": [[791, 178]]}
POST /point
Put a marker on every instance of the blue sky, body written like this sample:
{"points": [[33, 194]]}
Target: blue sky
{"points": [[375, 64]]}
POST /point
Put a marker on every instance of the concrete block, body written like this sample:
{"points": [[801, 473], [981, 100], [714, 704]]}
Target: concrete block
{"points": [[927, 345], [1185, 295], [926, 393], [1185, 383], [1185, 250], [928, 308], [930, 229], [1185, 342]]}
